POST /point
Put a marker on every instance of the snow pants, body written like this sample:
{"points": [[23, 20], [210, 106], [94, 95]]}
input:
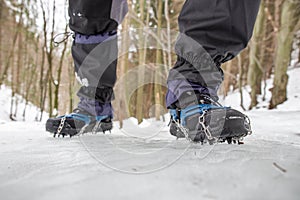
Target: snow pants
{"points": [[212, 32]]}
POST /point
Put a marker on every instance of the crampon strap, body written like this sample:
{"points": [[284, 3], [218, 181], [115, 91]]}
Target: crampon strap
{"points": [[85, 118], [182, 115]]}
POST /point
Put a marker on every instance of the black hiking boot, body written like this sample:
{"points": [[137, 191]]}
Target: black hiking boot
{"points": [[77, 123], [201, 119]]}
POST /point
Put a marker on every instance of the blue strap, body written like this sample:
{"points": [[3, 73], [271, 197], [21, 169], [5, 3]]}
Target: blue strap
{"points": [[100, 118], [192, 110], [85, 118]]}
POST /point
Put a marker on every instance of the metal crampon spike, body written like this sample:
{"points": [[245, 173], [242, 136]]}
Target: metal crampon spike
{"points": [[82, 130], [94, 131], [229, 140]]}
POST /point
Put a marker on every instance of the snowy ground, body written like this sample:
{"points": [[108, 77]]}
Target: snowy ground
{"points": [[122, 165], [31, 111]]}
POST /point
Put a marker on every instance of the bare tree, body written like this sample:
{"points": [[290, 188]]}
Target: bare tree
{"points": [[49, 49], [59, 74], [256, 70], [290, 13]]}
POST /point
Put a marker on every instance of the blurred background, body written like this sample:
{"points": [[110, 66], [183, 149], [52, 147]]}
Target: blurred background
{"points": [[36, 72]]}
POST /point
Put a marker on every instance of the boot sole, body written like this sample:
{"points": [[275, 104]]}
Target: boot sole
{"points": [[222, 126], [53, 124]]}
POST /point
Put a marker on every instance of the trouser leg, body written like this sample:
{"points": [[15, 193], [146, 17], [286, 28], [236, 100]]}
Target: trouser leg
{"points": [[212, 32], [94, 49], [90, 17], [95, 63]]}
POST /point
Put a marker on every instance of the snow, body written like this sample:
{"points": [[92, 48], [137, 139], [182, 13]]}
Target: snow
{"points": [[145, 162], [292, 104], [5, 104]]}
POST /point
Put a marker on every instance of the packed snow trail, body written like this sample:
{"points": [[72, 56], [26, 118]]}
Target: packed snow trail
{"points": [[137, 163], [36, 166]]}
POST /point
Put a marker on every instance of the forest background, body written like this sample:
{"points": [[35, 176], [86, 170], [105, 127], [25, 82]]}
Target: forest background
{"points": [[41, 72]]}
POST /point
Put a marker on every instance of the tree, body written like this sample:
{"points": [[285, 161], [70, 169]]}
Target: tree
{"points": [[256, 70], [290, 13], [1, 19]]}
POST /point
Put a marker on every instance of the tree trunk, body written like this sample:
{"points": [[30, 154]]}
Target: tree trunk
{"points": [[159, 61], [11, 54], [289, 17], [240, 80], [1, 24], [255, 72], [227, 78], [59, 73], [43, 79], [48, 48], [141, 71], [32, 68], [123, 104], [71, 85]]}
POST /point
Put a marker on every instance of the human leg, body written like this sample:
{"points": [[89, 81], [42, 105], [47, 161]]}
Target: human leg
{"points": [[211, 33], [95, 53]]}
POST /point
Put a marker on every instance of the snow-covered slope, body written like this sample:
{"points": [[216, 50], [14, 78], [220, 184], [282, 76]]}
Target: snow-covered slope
{"points": [[145, 162], [292, 104], [5, 106]]}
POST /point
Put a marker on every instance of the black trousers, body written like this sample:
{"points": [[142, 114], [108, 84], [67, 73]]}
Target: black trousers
{"points": [[212, 32]]}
